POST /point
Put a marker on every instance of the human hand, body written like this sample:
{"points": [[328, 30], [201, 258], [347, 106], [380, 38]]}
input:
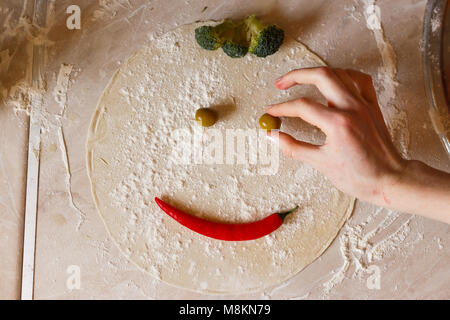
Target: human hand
{"points": [[358, 155]]}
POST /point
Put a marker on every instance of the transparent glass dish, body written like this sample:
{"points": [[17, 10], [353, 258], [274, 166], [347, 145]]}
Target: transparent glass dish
{"points": [[436, 60]]}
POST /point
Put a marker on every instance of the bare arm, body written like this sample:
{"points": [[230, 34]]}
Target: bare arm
{"points": [[420, 190], [358, 155]]}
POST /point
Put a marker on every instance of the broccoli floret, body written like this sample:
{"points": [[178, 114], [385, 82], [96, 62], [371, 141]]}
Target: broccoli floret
{"points": [[264, 39], [234, 50], [213, 37], [208, 38], [236, 45]]}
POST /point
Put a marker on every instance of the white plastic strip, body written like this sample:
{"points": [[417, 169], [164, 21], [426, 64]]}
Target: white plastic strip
{"points": [[29, 240], [34, 147]]}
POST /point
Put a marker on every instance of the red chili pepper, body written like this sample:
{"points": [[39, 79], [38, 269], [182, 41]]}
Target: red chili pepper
{"points": [[223, 231]]}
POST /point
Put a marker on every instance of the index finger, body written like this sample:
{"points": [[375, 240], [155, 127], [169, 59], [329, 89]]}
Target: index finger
{"points": [[324, 79]]}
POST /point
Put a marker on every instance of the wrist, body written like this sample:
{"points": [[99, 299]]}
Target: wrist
{"points": [[395, 180], [418, 189]]}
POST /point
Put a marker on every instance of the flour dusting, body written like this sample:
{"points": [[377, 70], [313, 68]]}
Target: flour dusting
{"points": [[363, 245], [109, 8], [68, 180], [396, 118], [62, 86]]}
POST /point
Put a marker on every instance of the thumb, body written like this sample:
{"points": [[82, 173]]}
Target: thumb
{"points": [[294, 149]]}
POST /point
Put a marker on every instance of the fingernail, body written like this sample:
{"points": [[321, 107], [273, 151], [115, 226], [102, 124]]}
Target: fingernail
{"points": [[279, 79], [269, 106]]}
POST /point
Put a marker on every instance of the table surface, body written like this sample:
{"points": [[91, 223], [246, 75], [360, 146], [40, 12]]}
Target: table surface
{"points": [[410, 254]]}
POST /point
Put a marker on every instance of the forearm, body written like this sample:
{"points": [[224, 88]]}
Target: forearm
{"points": [[420, 190]]}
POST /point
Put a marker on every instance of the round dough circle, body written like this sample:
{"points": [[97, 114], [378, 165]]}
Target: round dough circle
{"points": [[145, 119]]}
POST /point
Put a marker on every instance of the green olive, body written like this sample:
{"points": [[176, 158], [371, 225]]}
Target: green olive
{"points": [[267, 122], [205, 117]]}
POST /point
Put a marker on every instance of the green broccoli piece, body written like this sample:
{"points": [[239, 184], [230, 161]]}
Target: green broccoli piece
{"points": [[264, 39], [213, 37], [234, 50], [238, 38], [207, 38], [236, 45]]}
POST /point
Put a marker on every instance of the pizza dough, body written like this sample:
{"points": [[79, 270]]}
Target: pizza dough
{"points": [[142, 143]]}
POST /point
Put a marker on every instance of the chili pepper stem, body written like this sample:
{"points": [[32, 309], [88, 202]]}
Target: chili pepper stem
{"points": [[284, 214]]}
